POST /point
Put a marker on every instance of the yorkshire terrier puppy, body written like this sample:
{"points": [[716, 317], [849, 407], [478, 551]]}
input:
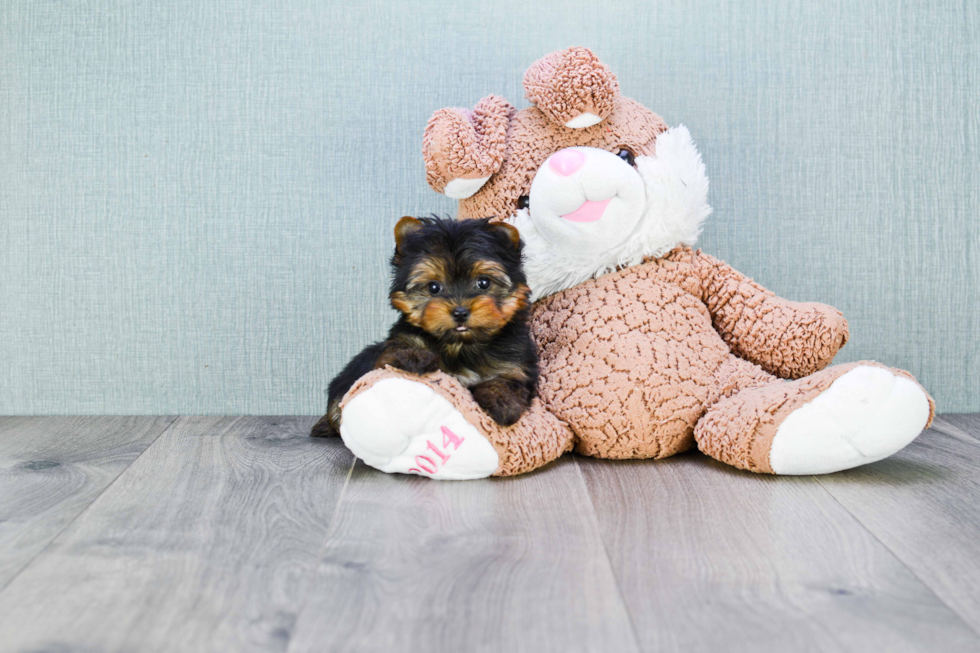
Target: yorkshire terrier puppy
{"points": [[463, 297]]}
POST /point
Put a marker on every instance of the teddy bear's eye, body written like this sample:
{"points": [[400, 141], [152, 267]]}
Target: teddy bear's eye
{"points": [[626, 156], [523, 202]]}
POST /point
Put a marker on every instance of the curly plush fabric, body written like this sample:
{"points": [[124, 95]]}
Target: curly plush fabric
{"points": [[635, 358], [463, 144], [570, 82], [788, 339]]}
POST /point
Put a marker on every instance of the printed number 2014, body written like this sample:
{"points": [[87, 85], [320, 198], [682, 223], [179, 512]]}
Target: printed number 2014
{"points": [[428, 463]]}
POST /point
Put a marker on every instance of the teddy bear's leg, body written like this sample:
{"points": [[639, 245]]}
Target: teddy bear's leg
{"points": [[431, 426], [838, 418]]}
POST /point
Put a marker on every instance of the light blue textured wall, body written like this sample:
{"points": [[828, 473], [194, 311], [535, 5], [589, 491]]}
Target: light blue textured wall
{"points": [[196, 196]]}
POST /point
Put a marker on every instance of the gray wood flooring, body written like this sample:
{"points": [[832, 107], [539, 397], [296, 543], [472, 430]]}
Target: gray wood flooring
{"points": [[242, 534]]}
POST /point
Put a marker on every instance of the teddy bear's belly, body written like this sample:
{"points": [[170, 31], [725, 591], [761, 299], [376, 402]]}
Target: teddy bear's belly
{"points": [[631, 375]]}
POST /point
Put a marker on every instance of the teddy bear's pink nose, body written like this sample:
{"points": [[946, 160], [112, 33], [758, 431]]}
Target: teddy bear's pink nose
{"points": [[567, 161]]}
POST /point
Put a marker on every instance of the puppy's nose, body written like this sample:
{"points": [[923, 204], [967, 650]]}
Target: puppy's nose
{"points": [[461, 314], [567, 161]]}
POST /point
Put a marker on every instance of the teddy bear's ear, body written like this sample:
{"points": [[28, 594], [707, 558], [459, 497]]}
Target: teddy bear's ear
{"points": [[572, 87], [463, 148]]}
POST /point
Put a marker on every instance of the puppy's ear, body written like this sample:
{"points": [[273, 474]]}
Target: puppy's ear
{"points": [[511, 232], [405, 226]]}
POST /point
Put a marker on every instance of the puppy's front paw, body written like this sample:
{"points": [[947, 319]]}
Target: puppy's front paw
{"points": [[505, 404], [413, 361]]}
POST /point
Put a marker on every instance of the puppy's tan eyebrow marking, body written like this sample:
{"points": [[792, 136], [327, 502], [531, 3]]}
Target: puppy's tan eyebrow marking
{"points": [[491, 269], [428, 269]]}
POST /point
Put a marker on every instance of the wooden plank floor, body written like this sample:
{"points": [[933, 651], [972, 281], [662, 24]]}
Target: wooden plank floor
{"points": [[53, 468], [242, 534]]}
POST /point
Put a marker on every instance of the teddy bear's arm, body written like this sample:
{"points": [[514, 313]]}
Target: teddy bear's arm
{"points": [[785, 338]]}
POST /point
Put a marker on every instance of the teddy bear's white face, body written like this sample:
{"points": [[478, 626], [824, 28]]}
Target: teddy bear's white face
{"points": [[586, 197], [591, 212]]}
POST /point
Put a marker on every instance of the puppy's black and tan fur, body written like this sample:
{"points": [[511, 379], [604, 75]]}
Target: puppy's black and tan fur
{"points": [[464, 306]]}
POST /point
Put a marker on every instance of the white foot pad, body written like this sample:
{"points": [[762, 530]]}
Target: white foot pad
{"points": [[400, 426], [864, 416]]}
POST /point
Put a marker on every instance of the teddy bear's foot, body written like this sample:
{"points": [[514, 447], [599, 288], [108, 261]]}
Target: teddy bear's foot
{"points": [[866, 414], [401, 426], [837, 418], [390, 418]]}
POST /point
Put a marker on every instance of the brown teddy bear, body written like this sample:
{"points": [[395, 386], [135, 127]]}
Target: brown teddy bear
{"points": [[647, 346]]}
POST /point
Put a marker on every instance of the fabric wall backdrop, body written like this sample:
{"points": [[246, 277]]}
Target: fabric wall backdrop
{"points": [[197, 197]]}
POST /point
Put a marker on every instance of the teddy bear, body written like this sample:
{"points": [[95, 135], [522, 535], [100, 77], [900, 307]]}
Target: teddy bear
{"points": [[647, 346]]}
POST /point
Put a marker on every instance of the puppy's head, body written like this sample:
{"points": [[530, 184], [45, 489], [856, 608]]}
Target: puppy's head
{"points": [[460, 281]]}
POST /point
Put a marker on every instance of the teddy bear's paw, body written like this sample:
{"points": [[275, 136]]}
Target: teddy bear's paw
{"points": [[866, 415], [405, 427]]}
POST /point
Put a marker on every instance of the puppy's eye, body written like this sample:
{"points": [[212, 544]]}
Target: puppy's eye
{"points": [[434, 288], [523, 201], [483, 283], [626, 156]]}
